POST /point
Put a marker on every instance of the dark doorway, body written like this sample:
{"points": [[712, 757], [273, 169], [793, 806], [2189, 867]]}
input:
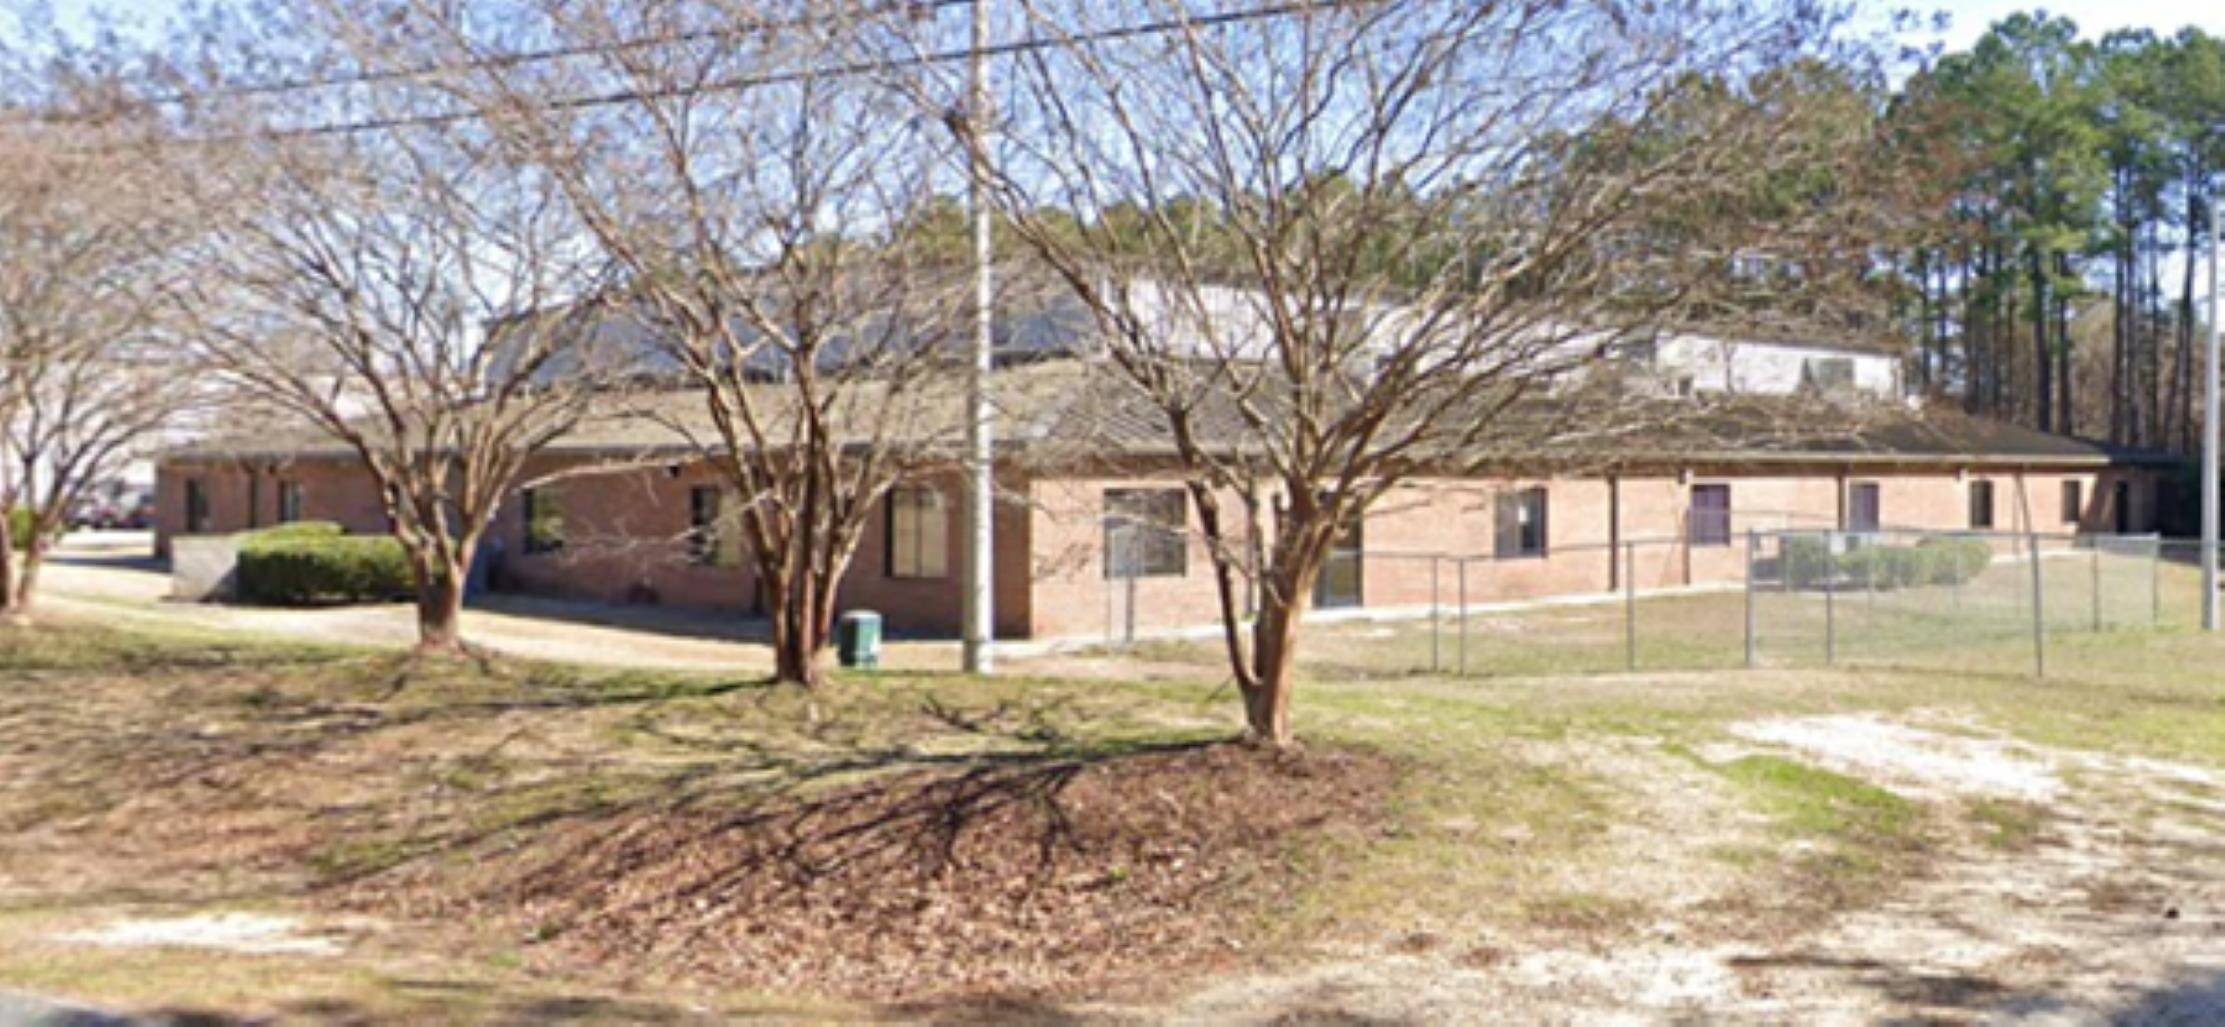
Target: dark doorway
{"points": [[2120, 506], [1864, 511]]}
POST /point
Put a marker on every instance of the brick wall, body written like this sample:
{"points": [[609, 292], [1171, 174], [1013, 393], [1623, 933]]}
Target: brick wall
{"points": [[330, 491], [626, 536], [1590, 523]]}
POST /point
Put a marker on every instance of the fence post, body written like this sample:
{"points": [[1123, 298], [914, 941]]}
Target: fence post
{"points": [[2155, 581], [2039, 612], [1830, 598], [1462, 573], [1753, 544], [1436, 662], [1131, 579], [2095, 543], [1954, 580], [1630, 606]]}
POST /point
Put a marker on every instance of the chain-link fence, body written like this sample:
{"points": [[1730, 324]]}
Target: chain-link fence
{"points": [[1963, 600]]}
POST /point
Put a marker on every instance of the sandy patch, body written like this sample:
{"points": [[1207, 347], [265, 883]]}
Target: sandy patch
{"points": [[2115, 914], [1908, 759], [249, 933]]}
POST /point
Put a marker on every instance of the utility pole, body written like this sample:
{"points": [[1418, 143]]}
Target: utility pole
{"points": [[977, 606], [2209, 439]]}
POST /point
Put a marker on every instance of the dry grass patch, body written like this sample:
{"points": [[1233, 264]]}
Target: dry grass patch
{"points": [[1013, 878]]}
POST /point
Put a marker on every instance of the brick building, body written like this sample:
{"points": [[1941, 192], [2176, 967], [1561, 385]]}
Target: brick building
{"points": [[1091, 527]]}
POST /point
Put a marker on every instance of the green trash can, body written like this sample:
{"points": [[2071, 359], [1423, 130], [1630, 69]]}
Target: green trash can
{"points": [[857, 639]]}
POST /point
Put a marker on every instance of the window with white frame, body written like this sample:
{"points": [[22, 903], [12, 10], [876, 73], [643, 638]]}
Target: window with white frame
{"points": [[1145, 533], [918, 534]]}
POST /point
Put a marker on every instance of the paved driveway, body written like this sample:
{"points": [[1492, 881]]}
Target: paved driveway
{"points": [[111, 577]]}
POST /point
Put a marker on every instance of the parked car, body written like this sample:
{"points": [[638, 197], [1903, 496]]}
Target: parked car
{"points": [[130, 510]]}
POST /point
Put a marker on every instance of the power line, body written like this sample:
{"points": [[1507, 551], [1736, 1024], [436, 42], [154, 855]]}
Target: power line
{"points": [[525, 57], [738, 83]]}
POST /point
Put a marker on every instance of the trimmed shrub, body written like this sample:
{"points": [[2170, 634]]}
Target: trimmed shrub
{"points": [[1807, 560], [297, 530], [1940, 560], [1864, 568], [1955, 561], [313, 563], [19, 529]]}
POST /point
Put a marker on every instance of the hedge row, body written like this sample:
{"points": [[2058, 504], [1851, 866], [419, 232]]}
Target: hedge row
{"points": [[316, 562], [1945, 560], [19, 529]]}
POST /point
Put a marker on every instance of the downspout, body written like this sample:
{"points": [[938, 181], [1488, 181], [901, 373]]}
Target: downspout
{"points": [[1843, 472]]}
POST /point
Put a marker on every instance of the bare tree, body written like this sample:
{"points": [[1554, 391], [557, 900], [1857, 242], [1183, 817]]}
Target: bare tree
{"points": [[89, 376], [412, 294], [1338, 245], [755, 187]]}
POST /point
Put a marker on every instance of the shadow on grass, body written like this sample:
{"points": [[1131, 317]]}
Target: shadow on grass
{"points": [[1930, 996], [458, 1004], [999, 835]]}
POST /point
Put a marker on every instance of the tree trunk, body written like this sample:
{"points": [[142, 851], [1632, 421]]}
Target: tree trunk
{"points": [[2044, 396], [1924, 318], [27, 577], [2120, 324], [13, 609], [798, 627], [1275, 634], [440, 605], [797, 645], [2066, 395], [1274, 666]]}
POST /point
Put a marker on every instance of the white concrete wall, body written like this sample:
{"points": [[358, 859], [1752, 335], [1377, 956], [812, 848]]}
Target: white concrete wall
{"points": [[1766, 368]]}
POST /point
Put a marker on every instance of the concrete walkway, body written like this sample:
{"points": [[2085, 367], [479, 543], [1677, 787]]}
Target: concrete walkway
{"points": [[18, 1010], [109, 577]]}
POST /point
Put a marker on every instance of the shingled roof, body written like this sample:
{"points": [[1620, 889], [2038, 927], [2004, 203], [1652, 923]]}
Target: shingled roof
{"points": [[1069, 411]]}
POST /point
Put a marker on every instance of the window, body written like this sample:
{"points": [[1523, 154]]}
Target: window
{"points": [[1981, 504], [1521, 523], [2074, 502], [1144, 533], [544, 521], [196, 506], [1827, 374], [918, 534], [1864, 509], [289, 502], [254, 501], [1710, 523], [703, 524]]}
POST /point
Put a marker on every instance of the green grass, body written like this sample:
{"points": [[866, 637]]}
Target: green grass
{"points": [[1851, 837], [1981, 627], [2006, 825], [1812, 802]]}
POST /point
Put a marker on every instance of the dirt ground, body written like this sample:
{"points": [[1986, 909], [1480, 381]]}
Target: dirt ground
{"points": [[253, 840], [2113, 911]]}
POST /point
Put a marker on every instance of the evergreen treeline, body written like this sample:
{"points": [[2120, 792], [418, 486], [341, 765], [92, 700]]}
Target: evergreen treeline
{"points": [[2051, 276]]}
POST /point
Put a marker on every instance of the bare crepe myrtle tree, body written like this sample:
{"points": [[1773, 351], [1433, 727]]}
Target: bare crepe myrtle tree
{"points": [[89, 376], [751, 184], [1338, 245], [411, 294]]}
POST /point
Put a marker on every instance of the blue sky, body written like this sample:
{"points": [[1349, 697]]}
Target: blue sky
{"points": [[1970, 17], [2095, 18]]}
